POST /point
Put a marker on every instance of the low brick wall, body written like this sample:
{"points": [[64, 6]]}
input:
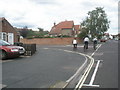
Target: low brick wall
{"points": [[49, 41]]}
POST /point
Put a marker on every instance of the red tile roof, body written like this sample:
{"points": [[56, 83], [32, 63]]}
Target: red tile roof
{"points": [[62, 25], [66, 24], [77, 27]]}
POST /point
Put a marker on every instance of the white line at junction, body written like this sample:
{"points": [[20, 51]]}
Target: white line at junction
{"points": [[79, 85], [94, 74], [78, 71], [96, 50], [2, 86], [84, 76]]}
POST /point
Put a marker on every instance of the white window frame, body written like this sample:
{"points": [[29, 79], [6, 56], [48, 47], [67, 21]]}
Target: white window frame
{"points": [[2, 36]]}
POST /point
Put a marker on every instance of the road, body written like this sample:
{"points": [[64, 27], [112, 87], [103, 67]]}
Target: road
{"points": [[107, 73], [43, 70], [53, 64]]}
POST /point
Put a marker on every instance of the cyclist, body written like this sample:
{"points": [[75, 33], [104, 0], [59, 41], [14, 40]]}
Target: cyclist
{"points": [[94, 42], [75, 43], [86, 41]]}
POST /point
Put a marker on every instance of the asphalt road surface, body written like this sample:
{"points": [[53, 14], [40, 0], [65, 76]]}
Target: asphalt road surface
{"points": [[51, 65], [43, 70], [107, 72]]}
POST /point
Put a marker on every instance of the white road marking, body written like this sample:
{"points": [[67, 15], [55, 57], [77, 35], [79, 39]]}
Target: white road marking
{"points": [[3, 61], [45, 48], [2, 86], [94, 74], [72, 46], [79, 68], [90, 46], [67, 51], [87, 85], [77, 71], [79, 85], [85, 75], [96, 49], [99, 60], [83, 78]]}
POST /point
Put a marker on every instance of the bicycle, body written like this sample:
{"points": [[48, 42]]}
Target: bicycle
{"points": [[85, 46], [95, 45]]}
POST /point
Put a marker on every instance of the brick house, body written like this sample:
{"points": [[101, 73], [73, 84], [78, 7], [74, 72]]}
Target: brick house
{"points": [[7, 31], [76, 29], [65, 28]]}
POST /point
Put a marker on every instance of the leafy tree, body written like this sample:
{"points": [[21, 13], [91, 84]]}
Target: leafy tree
{"points": [[40, 29], [96, 23], [30, 33], [37, 34], [24, 32], [83, 33]]}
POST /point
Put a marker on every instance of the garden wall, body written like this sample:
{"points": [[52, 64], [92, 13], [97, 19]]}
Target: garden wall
{"points": [[49, 41]]}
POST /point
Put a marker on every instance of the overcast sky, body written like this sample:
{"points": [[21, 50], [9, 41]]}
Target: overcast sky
{"points": [[43, 13]]}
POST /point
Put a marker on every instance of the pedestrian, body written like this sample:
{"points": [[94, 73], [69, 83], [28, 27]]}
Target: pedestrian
{"points": [[74, 43]]}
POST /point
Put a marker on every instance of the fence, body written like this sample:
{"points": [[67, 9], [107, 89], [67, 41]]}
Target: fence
{"points": [[30, 49]]}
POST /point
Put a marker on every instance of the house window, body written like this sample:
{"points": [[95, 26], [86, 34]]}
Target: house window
{"points": [[3, 36], [0, 35]]}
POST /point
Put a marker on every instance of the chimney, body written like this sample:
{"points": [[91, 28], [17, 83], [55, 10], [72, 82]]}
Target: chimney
{"points": [[54, 23]]}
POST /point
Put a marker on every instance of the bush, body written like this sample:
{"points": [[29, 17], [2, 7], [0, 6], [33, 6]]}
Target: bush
{"points": [[29, 37], [65, 36]]}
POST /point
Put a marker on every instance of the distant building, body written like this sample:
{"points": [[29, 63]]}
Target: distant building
{"points": [[65, 28], [7, 32], [23, 31], [76, 29], [116, 37]]}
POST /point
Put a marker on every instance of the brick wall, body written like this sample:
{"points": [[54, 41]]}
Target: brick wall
{"points": [[8, 28], [68, 32], [49, 41]]}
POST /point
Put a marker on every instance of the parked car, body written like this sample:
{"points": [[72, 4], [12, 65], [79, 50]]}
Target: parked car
{"points": [[9, 51], [116, 38], [103, 39]]}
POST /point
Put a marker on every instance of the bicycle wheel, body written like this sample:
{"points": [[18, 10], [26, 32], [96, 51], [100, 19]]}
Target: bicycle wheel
{"points": [[94, 46], [85, 47]]}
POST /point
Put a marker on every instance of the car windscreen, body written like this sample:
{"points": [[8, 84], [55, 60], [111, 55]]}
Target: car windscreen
{"points": [[4, 43]]}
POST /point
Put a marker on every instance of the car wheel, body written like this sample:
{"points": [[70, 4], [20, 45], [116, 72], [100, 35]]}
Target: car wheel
{"points": [[4, 55]]}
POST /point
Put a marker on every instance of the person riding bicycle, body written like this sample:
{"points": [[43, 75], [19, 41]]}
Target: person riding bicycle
{"points": [[74, 43], [86, 41], [95, 40], [94, 43]]}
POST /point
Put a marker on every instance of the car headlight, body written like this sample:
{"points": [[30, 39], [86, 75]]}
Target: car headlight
{"points": [[14, 50]]}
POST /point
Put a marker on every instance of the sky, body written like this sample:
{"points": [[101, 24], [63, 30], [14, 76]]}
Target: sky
{"points": [[43, 13]]}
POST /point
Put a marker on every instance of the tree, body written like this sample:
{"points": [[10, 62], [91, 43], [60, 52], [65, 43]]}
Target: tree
{"points": [[24, 32], [83, 33], [96, 24], [40, 29]]}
